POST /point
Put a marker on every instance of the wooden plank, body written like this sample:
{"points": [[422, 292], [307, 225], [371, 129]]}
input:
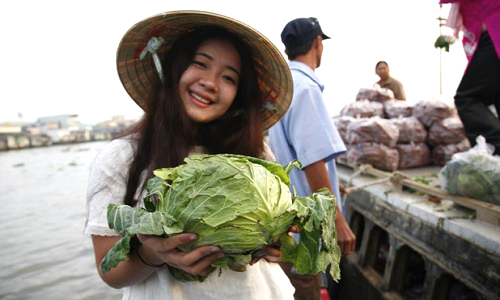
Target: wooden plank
{"points": [[485, 211]]}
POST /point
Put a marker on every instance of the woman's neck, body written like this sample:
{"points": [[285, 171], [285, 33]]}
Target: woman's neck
{"points": [[383, 80]]}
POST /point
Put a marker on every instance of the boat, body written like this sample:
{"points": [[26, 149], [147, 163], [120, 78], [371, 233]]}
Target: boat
{"points": [[415, 240]]}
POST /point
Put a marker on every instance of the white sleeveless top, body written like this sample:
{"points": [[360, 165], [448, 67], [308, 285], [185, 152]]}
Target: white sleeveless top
{"points": [[107, 184]]}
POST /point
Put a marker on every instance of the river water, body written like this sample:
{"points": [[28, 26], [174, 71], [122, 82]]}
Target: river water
{"points": [[44, 253]]}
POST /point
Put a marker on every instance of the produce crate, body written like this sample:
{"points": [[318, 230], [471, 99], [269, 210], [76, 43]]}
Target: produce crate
{"points": [[484, 211]]}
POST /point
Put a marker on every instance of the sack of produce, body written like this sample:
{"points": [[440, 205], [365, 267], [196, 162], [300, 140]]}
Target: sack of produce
{"points": [[474, 173], [410, 130], [429, 111], [397, 108], [363, 109], [413, 155], [441, 154], [372, 130], [342, 123], [375, 93], [446, 131], [237, 203], [378, 155]]}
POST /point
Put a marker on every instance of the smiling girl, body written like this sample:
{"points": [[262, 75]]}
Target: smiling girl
{"points": [[207, 84]]}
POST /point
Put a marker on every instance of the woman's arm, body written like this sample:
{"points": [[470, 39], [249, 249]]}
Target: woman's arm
{"points": [[126, 273], [156, 251]]}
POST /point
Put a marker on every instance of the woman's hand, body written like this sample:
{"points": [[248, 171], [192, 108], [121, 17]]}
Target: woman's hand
{"points": [[273, 251], [273, 254], [157, 250]]}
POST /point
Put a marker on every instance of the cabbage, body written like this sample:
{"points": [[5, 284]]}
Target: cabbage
{"points": [[475, 176], [474, 173], [237, 203]]}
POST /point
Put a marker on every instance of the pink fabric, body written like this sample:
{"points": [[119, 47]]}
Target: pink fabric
{"points": [[474, 14]]}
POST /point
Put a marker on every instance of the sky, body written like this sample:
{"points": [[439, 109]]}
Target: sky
{"points": [[58, 57]]}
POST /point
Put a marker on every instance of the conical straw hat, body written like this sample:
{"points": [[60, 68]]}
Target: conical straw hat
{"points": [[138, 76]]}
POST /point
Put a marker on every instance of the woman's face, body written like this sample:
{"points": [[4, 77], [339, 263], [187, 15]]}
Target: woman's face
{"points": [[209, 85], [382, 71]]}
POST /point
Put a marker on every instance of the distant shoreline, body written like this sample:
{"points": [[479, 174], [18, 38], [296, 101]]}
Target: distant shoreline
{"points": [[24, 146]]}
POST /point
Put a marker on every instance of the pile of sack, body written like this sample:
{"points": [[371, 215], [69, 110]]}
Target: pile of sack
{"points": [[391, 134]]}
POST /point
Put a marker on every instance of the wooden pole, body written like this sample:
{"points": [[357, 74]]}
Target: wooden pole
{"points": [[440, 54]]}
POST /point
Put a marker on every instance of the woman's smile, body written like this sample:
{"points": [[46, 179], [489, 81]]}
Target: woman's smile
{"points": [[197, 99]]}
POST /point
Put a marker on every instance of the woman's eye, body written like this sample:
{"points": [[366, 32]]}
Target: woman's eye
{"points": [[230, 79], [199, 63]]}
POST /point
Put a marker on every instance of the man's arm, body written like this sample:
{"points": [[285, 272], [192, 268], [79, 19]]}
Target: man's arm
{"points": [[317, 177]]}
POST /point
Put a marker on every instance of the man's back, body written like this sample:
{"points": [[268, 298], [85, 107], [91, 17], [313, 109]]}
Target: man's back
{"points": [[306, 132]]}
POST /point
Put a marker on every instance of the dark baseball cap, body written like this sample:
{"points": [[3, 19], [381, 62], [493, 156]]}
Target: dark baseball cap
{"points": [[300, 31]]}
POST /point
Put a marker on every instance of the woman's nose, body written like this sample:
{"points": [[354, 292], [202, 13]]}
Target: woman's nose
{"points": [[209, 82]]}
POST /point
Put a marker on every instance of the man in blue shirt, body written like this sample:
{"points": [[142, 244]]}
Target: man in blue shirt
{"points": [[307, 133]]}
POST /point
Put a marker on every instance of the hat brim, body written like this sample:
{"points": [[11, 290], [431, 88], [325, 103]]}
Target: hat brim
{"points": [[139, 76]]}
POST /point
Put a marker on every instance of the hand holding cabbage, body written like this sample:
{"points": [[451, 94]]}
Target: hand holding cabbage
{"points": [[237, 203]]}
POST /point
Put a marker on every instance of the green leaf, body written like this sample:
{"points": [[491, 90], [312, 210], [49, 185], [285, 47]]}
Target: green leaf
{"points": [[238, 262], [155, 188], [167, 174], [293, 163], [318, 246], [228, 238], [272, 167], [117, 254], [128, 220], [202, 197], [288, 248], [306, 261]]}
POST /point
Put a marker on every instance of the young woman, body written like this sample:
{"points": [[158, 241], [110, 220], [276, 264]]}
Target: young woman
{"points": [[209, 84]]}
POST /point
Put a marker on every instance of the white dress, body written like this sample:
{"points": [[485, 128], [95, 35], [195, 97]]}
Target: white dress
{"points": [[107, 184]]}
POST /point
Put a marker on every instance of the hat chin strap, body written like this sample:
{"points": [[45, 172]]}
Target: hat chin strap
{"points": [[154, 44], [232, 113]]}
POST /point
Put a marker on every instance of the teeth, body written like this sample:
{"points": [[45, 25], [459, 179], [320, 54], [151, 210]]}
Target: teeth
{"points": [[202, 100]]}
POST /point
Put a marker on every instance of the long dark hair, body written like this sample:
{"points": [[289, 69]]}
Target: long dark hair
{"points": [[165, 134]]}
